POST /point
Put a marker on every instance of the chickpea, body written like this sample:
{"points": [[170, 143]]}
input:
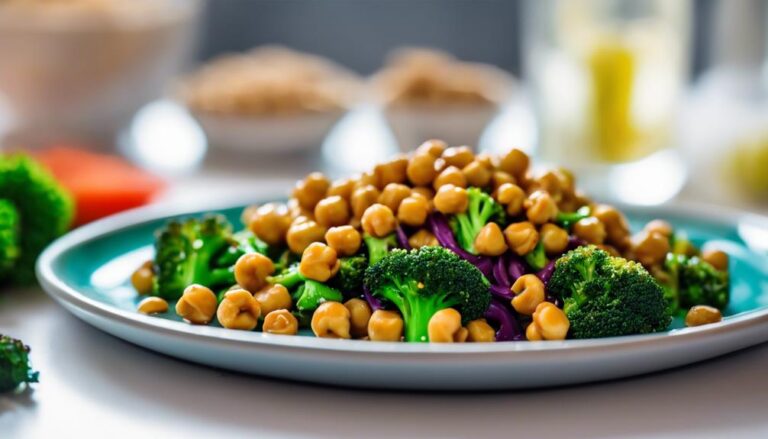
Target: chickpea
{"points": [[660, 226], [332, 211], [342, 188], [554, 238], [393, 194], [716, 258], [422, 238], [280, 321], [551, 321], [440, 165], [479, 331], [360, 315], [153, 305], [616, 225], [421, 169], [458, 156], [521, 237], [529, 293], [252, 269], [533, 333], [248, 212], [477, 174], [590, 229], [540, 207], [433, 147], [393, 171], [273, 297], [427, 192], [239, 310], [515, 163], [197, 304], [143, 280], [311, 190], [650, 248], [413, 210], [270, 223], [450, 175], [702, 315], [512, 196], [379, 221], [385, 326], [445, 327], [498, 178], [363, 198], [345, 240], [551, 183], [490, 241], [486, 160], [451, 199], [295, 210], [611, 250], [331, 320], [303, 233], [365, 179], [319, 262]]}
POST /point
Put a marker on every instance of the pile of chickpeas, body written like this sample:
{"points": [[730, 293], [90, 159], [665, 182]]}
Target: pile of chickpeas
{"points": [[325, 220]]}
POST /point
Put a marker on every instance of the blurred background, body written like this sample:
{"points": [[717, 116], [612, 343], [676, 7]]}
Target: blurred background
{"points": [[169, 100]]}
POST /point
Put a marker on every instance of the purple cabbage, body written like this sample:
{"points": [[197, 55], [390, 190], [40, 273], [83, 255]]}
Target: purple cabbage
{"points": [[402, 238], [373, 302], [575, 242], [500, 292], [500, 273], [546, 273], [504, 318], [442, 231], [516, 268]]}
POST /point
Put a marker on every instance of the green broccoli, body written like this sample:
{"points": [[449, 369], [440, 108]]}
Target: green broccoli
{"points": [[351, 274], [481, 210], [537, 259], [9, 237], [308, 294], [14, 364], [379, 247], [44, 209], [189, 253], [421, 282], [568, 219], [690, 281], [607, 296]]}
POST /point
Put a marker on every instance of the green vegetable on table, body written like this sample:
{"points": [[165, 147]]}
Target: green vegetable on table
{"points": [[481, 210], [379, 247], [14, 364], [607, 296], [421, 282]]}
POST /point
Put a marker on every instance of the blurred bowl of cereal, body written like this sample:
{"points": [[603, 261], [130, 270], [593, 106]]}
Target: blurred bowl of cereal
{"points": [[270, 99], [426, 94], [79, 69]]}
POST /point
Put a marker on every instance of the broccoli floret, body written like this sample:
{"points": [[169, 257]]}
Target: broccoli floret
{"points": [[189, 253], [568, 219], [606, 296], [691, 281], [423, 281], [379, 247], [481, 210], [44, 208], [537, 259], [9, 237], [307, 294], [14, 364], [351, 274]]}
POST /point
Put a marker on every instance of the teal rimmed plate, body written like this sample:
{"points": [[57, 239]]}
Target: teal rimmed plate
{"points": [[87, 271]]}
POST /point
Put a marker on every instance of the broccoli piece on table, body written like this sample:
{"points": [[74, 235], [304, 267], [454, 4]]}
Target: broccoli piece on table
{"points": [[481, 210], [189, 252], [379, 247], [44, 209], [690, 281], [351, 274], [537, 259], [14, 364], [421, 282], [9, 237], [307, 294], [568, 219], [606, 296]]}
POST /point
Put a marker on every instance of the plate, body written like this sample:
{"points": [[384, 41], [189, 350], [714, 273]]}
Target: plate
{"points": [[87, 271]]}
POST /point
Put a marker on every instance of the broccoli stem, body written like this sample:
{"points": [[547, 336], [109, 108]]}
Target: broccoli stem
{"points": [[415, 308], [289, 278], [568, 219], [537, 259], [378, 247]]}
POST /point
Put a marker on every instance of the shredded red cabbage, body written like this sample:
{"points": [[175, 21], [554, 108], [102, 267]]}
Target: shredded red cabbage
{"points": [[373, 302], [402, 238], [504, 318], [546, 273], [442, 231]]}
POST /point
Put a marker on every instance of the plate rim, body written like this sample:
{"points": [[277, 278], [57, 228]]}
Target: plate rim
{"points": [[68, 296]]}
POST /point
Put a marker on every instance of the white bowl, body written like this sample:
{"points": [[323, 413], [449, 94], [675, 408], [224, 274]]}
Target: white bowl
{"points": [[82, 76], [270, 134]]}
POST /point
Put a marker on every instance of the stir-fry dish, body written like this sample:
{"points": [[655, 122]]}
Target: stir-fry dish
{"points": [[444, 245]]}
